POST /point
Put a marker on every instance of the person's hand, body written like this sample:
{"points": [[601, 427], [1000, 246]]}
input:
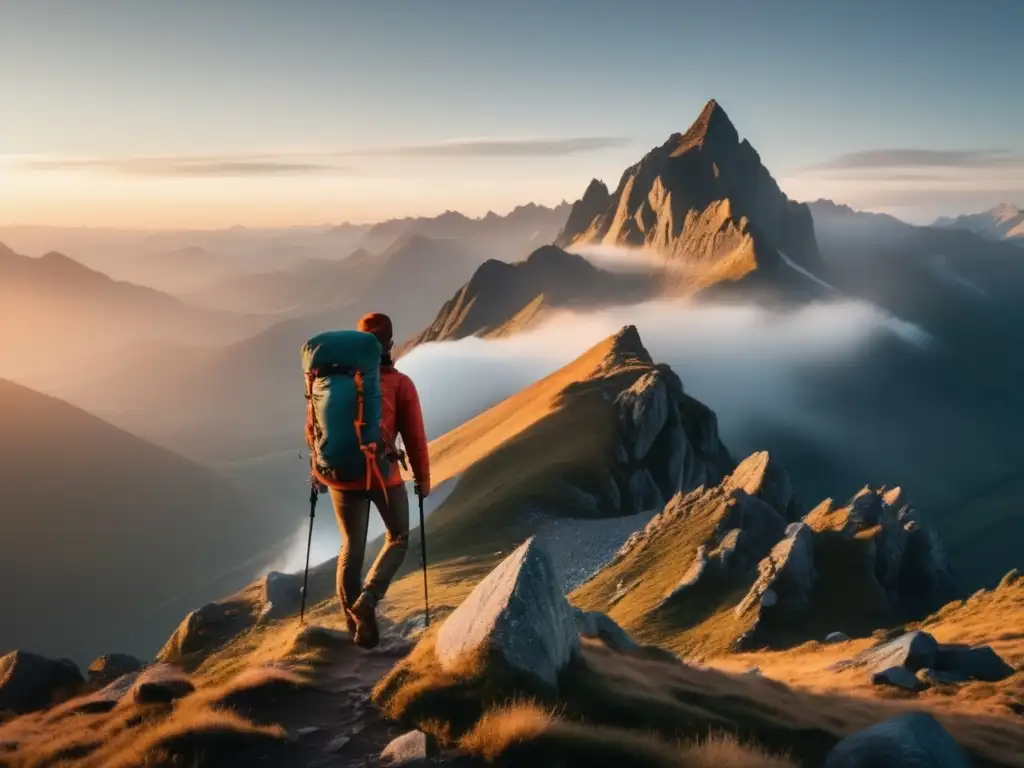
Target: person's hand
{"points": [[422, 488]]}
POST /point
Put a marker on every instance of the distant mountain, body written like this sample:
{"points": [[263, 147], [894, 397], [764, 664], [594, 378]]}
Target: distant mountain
{"points": [[107, 538], [414, 270], [1003, 222], [502, 297], [47, 302], [705, 202], [509, 237]]}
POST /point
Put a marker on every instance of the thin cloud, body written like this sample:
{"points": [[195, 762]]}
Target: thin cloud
{"points": [[885, 159], [325, 162], [184, 167], [502, 147]]}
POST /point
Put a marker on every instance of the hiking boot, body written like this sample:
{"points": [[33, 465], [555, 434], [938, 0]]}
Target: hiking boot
{"points": [[365, 614]]}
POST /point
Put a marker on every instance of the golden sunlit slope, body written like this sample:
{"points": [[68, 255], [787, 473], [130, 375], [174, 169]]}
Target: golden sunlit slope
{"points": [[612, 433], [108, 539]]}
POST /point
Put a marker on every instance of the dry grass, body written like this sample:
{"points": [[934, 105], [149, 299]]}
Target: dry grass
{"points": [[608, 693]]}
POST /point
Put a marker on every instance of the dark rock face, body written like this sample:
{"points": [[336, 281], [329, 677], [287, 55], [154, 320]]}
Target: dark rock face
{"points": [[668, 442], [916, 740], [106, 669], [30, 682], [161, 683], [594, 202], [785, 577], [903, 554], [518, 613]]}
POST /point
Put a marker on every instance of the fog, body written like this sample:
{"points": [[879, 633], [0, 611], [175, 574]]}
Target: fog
{"points": [[756, 368]]}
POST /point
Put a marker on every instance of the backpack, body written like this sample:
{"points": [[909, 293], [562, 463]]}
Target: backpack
{"points": [[342, 370]]}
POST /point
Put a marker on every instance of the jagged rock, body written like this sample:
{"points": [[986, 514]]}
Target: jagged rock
{"points": [[282, 595], [599, 625], [643, 412], [107, 669], [761, 476], [160, 684], [915, 740], [837, 637], [898, 677], [788, 571], [977, 663], [518, 613], [414, 748], [931, 677], [903, 555], [30, 682], [760, 527], [914, 650]]}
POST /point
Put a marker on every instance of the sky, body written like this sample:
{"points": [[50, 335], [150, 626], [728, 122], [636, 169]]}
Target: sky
{"points": [[208, 113]]}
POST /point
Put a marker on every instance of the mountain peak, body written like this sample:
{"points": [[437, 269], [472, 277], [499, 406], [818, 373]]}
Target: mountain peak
{"points": [[712, 126]]}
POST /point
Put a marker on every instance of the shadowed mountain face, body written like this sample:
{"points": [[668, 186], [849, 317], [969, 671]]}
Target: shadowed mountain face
{"points": [[1003, 222], [704, 200], [502, 298], [108, 539]]}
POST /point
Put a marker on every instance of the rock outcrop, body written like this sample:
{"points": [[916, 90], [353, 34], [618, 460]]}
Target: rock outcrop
{"points": [[901, 553], [161, 683], [916, 740], [108, 668], [518, 615], [30, 682], [785, 578], [705, 201], [281, 595], [206, 628]]}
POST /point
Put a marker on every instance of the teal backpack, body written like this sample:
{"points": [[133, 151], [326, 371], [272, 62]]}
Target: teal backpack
{"points": [[342, 371]]}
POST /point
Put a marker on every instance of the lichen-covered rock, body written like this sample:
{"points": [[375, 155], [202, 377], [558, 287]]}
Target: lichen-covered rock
{"points": [[106, 669], [30, 682], [915, 740], [519, 614]]}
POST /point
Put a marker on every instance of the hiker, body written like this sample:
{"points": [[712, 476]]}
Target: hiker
{"points": [[400, 416]]}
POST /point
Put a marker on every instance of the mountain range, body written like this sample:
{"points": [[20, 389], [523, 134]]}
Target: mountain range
{"points": [[1002, 222]]}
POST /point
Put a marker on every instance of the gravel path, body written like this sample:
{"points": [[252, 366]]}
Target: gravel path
{"points": [[580, 547]]}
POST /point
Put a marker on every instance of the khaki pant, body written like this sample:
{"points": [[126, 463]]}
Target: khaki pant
{"points": [[352, 509]]}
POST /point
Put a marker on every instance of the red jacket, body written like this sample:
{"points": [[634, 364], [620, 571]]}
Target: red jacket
{"points": [[400, 415]]}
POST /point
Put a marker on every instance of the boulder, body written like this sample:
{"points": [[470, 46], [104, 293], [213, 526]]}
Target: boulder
{"points": [[915, 740], [161, 683], [106, 669], [914, 650], [30, 682], [837, 637], [899, 677], [414, 748], [978, 663], [597, 625], [282, 595], [517, 614]]}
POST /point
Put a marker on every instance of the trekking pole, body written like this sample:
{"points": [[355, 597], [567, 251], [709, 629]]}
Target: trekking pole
{"points": [[423, 555], [313, 493]]}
